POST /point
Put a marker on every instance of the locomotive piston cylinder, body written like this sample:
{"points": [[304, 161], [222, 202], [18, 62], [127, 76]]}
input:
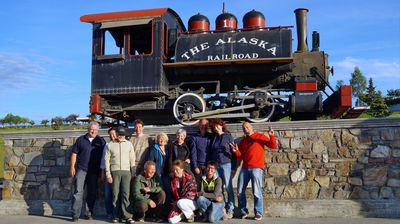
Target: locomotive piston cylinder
{"points": [[301, 25]]}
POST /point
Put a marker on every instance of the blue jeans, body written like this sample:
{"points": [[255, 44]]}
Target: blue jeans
{"points": [[214, 210], [108, 194], [82, 179], [224, 171], [256, 177]]}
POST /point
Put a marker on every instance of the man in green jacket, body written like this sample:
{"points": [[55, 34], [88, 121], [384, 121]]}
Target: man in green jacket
{"points": [[147, 193]]}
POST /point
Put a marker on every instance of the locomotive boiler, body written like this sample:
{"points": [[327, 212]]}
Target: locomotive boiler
{"points": [[147, 65]]}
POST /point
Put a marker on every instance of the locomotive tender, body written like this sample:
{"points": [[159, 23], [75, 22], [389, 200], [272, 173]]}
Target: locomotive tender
{"points": [[162, 73]]}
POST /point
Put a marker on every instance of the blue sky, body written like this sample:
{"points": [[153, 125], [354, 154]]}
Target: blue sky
{"points": [[45, 51]]}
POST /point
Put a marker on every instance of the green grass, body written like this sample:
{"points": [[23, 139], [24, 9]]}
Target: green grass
{"points": [[41, 128]]}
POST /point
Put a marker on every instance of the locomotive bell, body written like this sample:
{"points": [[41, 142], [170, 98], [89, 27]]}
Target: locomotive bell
{"points": [[226, 22], [199, 24], [253, 19]]}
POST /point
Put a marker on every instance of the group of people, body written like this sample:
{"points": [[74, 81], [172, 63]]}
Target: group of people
{"points": [[169, 180]]}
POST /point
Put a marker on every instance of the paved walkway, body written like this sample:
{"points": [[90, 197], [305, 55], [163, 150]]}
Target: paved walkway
{"points": [[62, 219]]}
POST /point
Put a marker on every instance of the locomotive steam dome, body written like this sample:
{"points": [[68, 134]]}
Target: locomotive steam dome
{"points": [[253, 19], [198, 23], [226, 22]]}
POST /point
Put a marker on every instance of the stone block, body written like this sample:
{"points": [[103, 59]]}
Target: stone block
{"points": [[386, 193], [325, 193], [325, 158], [381, 151], [323, 181], [388, 134], [45, 169], [278, 169], [18, 151], [340, 195], [318, 147], [6, 193], [58, 171], [22, 142], [282, 158], [344, 152], [295, 143], [363, 160], [310, 175], [326, 135], [40, 142], [68, 141], [41, 178], [21, 169], [394, 172], [355, 181], [396, 153], [393, 182], [32, 169], [343, 169], [48, 162], [292, 157], [332, 150], [301, 190], [288, 134], [269, 183], [359, 193], [8, 175], [61, 195], [33, 159], [298, 175], [282, 180], [375, 176], [284, 143], [60, 161]]}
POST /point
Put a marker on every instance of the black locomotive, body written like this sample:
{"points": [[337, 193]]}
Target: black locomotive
{"points": [[146, 65]]}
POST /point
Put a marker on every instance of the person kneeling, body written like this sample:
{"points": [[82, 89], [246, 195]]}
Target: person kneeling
{"points": [[148, 194], [184, 192], [210, 201]]}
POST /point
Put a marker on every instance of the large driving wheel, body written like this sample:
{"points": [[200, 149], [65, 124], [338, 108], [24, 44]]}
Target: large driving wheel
{"points": [[263, 110], [186, 105]]}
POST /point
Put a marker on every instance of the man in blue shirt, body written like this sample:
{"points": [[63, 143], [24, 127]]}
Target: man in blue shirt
{"points": [[199, 151], [85, 170]]}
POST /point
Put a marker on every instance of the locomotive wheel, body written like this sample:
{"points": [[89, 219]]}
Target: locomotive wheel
{"points": [[186, 105], [262, 112]]}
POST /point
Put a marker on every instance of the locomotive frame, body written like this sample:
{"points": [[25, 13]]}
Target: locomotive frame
{"points": [[164, 74]]}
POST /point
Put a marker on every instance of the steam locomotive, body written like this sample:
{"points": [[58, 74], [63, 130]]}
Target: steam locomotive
{"points": [[146, 65]]}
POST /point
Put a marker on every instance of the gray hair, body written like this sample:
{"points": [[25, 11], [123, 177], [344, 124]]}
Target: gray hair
{"points": [[162, 135], [149, 163], [181, 131], [92, 123]]}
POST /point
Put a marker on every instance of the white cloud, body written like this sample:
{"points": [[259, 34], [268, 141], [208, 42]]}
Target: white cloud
{"points": [[375, 68]]}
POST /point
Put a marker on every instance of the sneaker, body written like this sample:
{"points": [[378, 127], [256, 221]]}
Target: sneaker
{"points": [[244, 215], [157, 220], [74, 219], [191, 218], [141, 219], [130, 221], [229, 215], [114, 220], [257, 217]]}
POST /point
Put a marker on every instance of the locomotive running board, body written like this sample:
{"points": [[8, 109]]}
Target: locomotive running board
{"points": [[228, 62], [221, 111], [228, 115]]}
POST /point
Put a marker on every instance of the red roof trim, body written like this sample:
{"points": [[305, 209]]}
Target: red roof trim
{"points": [[123, 15]]}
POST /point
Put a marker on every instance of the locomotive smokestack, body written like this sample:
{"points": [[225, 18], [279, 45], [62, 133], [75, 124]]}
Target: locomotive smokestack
{"points": [[301, 25]]}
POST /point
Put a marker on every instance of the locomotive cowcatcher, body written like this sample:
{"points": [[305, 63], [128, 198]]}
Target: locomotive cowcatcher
{"points": [[146, 65]]}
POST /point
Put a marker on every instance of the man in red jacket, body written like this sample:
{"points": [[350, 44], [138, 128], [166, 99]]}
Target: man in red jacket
{"points": [[251, 151]]}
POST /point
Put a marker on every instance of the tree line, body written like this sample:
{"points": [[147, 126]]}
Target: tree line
{"points": [[367, 95], [12, 120]]}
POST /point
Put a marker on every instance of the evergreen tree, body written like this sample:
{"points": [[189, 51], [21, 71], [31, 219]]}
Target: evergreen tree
{"points": [[358, 83], [371, 93], [378, 107]]}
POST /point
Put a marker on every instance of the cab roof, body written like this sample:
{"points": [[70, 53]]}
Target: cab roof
{"points": [[133, 14]]}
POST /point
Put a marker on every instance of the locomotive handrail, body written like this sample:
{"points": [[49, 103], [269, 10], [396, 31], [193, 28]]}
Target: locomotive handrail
{"points": [[226, 62], [242, 29]]}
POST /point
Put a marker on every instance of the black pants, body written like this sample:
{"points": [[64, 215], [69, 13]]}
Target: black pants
{"points": [[141, 207], [199, 177]]}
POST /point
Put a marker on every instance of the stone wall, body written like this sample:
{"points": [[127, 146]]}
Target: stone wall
{"points": [[314, 172]]}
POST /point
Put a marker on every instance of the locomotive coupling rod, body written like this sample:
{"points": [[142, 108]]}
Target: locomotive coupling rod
{"points": [[220, 111]]}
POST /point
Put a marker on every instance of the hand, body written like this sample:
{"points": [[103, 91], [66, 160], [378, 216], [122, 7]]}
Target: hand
{"points": [[219, 198], [146, 189], [234, 146], [152, 204], [187, 161], [72, 171], [197, 171], [271, 131], [109, 180]]}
